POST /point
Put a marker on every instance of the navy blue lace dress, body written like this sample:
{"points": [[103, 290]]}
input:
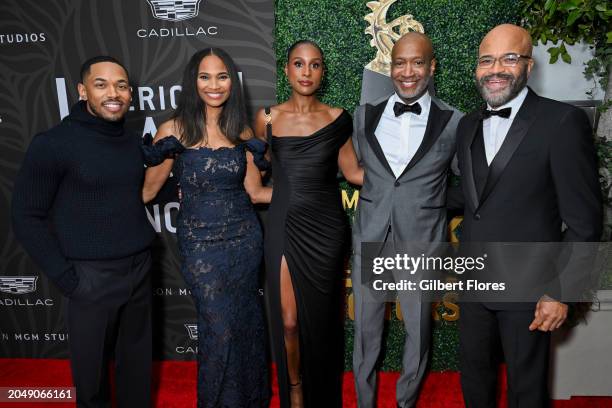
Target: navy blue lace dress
{"points": [[220, 240]]}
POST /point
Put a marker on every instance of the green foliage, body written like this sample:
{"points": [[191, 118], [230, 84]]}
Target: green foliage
{"points": [[455, 27], [571, 21], [444, 346], [444, 343], [567, 22], [604, 155]]}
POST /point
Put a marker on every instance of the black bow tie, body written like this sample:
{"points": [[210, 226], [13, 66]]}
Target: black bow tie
{"points": [[400, 108], [502, 113]]}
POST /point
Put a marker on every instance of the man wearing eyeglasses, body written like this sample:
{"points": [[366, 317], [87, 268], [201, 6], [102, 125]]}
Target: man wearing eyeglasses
{"points": [[528, 165]]}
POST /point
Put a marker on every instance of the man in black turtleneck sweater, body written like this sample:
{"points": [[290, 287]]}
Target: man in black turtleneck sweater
{"points": [[78, 212]]}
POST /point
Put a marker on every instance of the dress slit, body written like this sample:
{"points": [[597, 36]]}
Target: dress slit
{"points": [[308, 227]]}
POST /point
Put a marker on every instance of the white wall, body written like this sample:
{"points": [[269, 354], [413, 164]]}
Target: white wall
{"points": [[562, 81]]}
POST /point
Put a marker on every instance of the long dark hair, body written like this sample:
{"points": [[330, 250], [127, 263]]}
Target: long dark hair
{"points": [[190, 114]]}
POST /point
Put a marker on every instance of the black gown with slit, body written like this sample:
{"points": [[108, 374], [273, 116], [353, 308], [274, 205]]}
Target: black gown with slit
{"points": [[308, 226]]}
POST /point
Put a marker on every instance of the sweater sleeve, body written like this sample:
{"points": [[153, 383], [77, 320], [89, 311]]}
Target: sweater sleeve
{"points": [[33, 195]]}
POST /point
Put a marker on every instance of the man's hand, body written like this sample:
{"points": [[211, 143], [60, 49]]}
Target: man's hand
{"points": [[549, 314]]}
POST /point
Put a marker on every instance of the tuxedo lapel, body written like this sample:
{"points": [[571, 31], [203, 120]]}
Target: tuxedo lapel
{"points": [[373, 114], [468, 176], [519, 128], [436, 122]]}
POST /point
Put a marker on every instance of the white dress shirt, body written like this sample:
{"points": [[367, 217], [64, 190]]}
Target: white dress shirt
{"points": [[495, 128], [400, 137]]}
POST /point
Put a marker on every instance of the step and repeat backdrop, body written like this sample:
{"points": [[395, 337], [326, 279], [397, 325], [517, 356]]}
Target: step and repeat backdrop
{"points": [[42, 45]]}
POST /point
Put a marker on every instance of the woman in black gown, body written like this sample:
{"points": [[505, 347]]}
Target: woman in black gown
{"points": [[307, 234]]}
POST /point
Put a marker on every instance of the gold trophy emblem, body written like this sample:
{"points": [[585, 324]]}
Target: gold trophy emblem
{"points": [[384, 34]]}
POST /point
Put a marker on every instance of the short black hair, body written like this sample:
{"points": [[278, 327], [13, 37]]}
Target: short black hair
{"points": [[86, 67]]}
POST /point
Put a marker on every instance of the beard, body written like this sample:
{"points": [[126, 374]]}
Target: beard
{"points": [[501, 97]]}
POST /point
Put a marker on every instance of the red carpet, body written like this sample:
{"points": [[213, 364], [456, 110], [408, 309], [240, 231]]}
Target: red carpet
{"points": [[174, 386]]}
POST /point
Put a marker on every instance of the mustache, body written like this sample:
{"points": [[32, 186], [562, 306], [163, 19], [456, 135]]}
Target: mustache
{"points": [[507, 77], [409, 78]]}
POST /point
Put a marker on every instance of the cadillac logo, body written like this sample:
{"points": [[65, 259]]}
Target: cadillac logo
{"points": [[174, 10], [18, 285], [192, 330]]}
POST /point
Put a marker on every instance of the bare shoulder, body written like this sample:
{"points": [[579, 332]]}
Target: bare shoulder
{"points": [[247, 134], [334, 112], [260, 114], [260, 124], [168, 128], [260, 117]]}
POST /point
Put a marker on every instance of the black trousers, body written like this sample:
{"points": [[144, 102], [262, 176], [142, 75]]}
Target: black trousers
{"points": [[109, 314], [482, 333]]}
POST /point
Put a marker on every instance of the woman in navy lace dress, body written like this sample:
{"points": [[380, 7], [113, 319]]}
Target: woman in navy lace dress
{"points": [[219, 234]]}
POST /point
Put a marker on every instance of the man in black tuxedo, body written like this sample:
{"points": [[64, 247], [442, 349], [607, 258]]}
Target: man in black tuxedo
{"points": [[528, 164]]}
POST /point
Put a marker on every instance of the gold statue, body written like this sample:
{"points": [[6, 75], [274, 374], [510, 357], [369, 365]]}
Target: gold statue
{"points": [[384, 34]]}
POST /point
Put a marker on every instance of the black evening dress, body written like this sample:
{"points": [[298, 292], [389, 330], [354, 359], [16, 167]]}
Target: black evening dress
{"points": [[221, 243], [308, 226]]}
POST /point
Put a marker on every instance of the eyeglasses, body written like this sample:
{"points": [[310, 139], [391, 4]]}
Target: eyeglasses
{"points": [[507, 60]]}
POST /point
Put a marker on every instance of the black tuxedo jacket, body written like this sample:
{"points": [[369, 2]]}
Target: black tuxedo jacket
{"points": [[544, 175]]}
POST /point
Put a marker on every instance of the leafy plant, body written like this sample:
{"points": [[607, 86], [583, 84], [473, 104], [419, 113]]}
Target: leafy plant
{"points": [[571, 21], [567, 22], [338, 27], [604, 154]]}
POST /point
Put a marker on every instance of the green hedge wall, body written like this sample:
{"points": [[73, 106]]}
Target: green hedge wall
{"points": [[455, 28]]}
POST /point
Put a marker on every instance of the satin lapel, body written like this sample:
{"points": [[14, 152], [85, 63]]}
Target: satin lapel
{"points": [[436, 122], [519, 128], [468, 176], [372, 117]]}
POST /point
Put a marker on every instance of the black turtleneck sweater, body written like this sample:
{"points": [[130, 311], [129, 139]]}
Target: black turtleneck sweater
{"points": [[78, 196]]}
